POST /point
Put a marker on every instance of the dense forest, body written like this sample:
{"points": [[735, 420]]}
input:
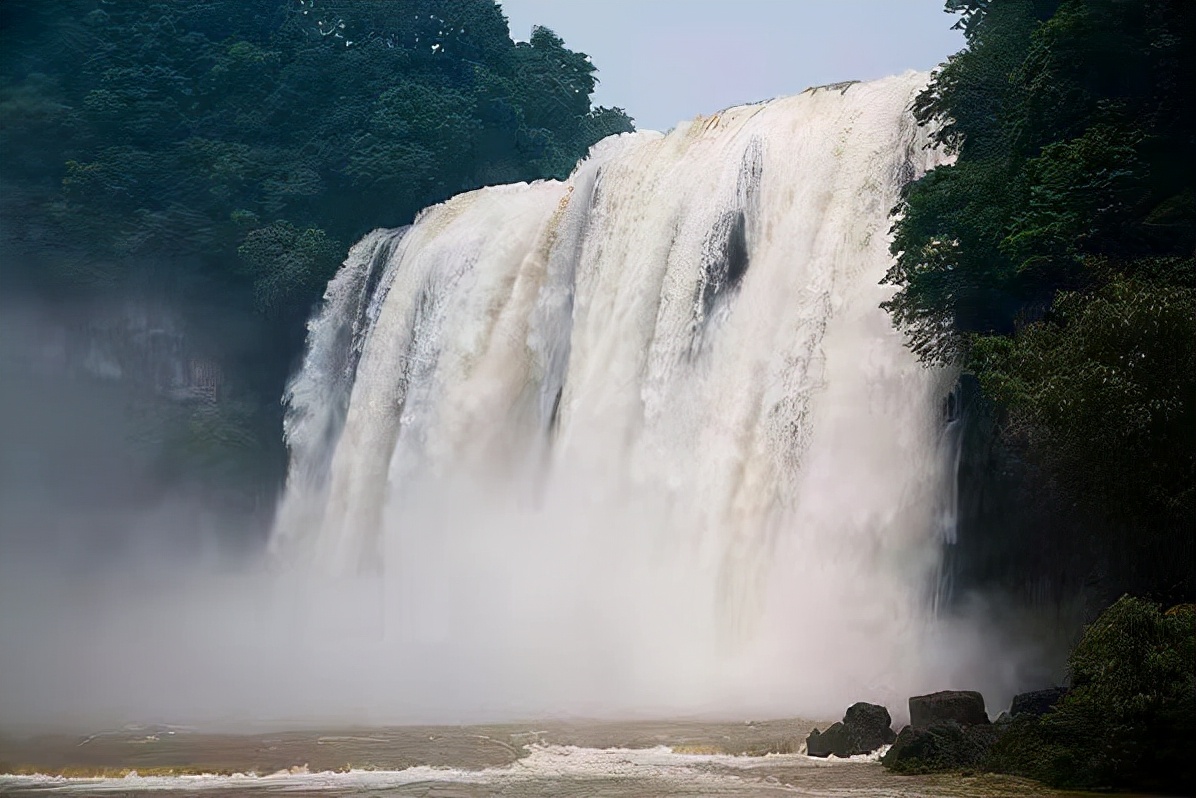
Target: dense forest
{"points": [[1054, 260], [204, 166]]}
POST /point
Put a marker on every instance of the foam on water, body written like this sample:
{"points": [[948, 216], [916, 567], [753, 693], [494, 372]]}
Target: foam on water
{"points": [[543, 764]]}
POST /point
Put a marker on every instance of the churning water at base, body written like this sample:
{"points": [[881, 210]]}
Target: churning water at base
{"points": [[641, 440]]}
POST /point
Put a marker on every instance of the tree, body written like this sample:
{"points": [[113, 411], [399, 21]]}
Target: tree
{"points": [[1054, 258], [226, 152]]}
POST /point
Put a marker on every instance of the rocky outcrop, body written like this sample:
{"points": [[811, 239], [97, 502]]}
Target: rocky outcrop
{"points": [[832, 741], [1126, 723], [864, 728], [942, 746], [948, 730], [1037, 703], [963, 707]]}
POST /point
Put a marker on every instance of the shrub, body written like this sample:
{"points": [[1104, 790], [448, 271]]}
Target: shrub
{"points": [[1129, 720]]}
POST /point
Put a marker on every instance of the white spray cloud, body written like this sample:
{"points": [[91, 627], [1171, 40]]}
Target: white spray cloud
{"points": [[639, 443]]}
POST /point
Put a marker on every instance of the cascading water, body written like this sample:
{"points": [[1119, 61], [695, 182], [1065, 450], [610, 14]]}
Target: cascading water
{"points": [[641, 440], [319, 396]]}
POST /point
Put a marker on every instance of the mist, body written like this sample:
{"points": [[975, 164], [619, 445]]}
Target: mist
{"points": [[497, 611], [496, 603], [639, 444]]}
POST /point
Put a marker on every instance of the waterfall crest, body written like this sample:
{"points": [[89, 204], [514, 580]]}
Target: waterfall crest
{"points": [[646, 429]]}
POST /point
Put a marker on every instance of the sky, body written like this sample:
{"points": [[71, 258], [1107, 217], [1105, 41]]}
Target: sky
{"points": [[664, 61]]}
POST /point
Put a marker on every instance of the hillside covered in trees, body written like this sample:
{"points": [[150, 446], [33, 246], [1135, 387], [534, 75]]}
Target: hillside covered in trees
{"points": [[187, 176], [1055, 261]]}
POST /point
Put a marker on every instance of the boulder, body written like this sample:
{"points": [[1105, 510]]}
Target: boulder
{"points": [[1037, 703], [939, 747], [832, 741], [864, 728], [964, 707], [870, 726]]}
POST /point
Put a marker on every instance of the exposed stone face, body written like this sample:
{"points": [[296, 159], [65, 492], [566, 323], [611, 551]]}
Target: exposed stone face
{"points": [[942, 746], [964, 707], [870, 725], [864, 728], [1038, 702], [832, 741]]}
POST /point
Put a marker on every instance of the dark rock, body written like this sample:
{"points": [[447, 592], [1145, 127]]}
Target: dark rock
{"points": [[832, 741], [1003, 719], [870, 727], [1038, 702], [941, 746], [863, 729], [965, 707]]}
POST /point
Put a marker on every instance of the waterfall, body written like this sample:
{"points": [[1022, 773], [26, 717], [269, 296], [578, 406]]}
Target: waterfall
{"points": [[646, 429], [317, 398]]}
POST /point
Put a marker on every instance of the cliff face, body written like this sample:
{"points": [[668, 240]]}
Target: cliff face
{"points": [[113, 413], [1018, 537]]}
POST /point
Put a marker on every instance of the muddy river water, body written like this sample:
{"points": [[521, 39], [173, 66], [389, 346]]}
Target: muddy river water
{"points": [[558, 758]]}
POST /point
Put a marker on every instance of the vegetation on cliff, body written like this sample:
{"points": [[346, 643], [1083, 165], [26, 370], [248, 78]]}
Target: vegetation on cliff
{"points": [[223, 154], [1129, 719], [1056, 260]]}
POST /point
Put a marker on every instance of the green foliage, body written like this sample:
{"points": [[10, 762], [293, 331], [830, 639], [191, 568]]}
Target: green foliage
{"points": [[230, 149], [1054, 259], [942, 747], [287, 263], [1104, 387], [1080, 193], [1072, 141], [162, 121], [1129, 721], [342, 116]]}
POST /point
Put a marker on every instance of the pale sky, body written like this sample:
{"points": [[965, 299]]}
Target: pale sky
{"points": [[668, 60]]}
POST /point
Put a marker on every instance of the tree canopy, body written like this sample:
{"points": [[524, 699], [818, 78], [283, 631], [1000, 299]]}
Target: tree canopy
{"points": [[227, 152], [1054, 258], [203, 127]]}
